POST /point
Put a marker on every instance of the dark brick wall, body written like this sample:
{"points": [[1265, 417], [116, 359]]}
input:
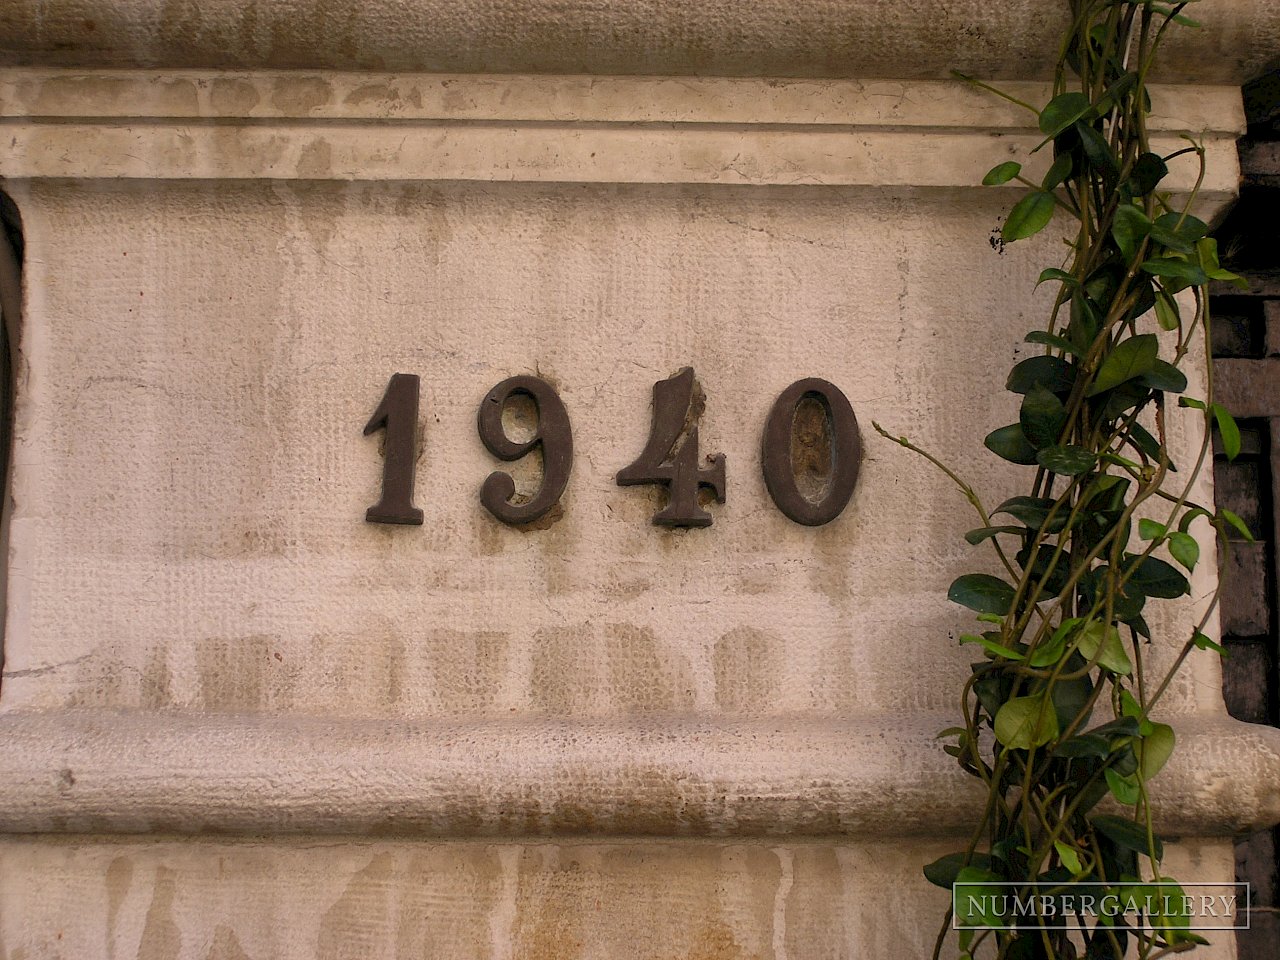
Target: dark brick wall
{"points": [[1246, 343]]}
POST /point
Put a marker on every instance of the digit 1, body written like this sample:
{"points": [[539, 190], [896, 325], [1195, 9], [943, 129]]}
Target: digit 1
{"points": [[398, 415], [843, 457], [671, 455], [554, 435]]}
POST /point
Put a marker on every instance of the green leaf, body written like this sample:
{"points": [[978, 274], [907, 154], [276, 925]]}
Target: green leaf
{"points": [[1067, 461], [1241, 527], [1052, 340], [1029, 216], [976, 536], [1009, 443], [1165, 376], [1042, 417], [1067, 854], [1124, 789], [1167, 313], [1129, 358], [1191, 516], [1034, 512], [944, 871], [1049, 652], [982, 592], [1237, 281], [1142, 439], [1126, 834], [1156, 578], [1084, 745], [1053, 373], [1062, 111], [1155, 749], [1151, 530], [1102, 641], [1192, 403], [1129, 707], [1176, 269], [1026, 722], [1097, 149], [1148, 170], [976, 903], [1202, 642], [1184, 549], [1169, 916], [1118, 732], [1001, 173], [991, 646], [1186, 228], [1130, 227], [1228, 430], [1207, 254], [1117, 91], [1053, 273], [1058, 171]]}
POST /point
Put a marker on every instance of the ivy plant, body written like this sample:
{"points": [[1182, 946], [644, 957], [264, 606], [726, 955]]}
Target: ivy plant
{"points": [[1061, 711]]}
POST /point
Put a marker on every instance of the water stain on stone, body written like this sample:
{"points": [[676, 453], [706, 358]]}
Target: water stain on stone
{"points": [[161, 937], [99, 683], [315, 160], [298, 96], [468, 668], [643, 675], [560, 682], [382, 94], [355, 927], [225, 946], [747, 670], [232, 671], [233, 98], [715, 941], [119, 876], [94, 94], [154, 690], [348, 671]]}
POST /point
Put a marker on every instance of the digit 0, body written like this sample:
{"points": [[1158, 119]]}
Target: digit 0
{"points": [[553, 434], [825, 440]]}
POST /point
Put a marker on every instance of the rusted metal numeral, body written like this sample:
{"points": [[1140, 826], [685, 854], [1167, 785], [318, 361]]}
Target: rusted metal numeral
{"points": [[830, 443], [398, 415], [553, 434], [671, 455]]}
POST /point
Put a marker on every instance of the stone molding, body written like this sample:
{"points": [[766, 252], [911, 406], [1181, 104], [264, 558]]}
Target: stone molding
{"points": [[1017, 39], [273, 125], [98, 771]]}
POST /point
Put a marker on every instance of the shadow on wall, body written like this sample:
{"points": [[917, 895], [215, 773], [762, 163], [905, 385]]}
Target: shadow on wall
{"points": [[11, 248]]}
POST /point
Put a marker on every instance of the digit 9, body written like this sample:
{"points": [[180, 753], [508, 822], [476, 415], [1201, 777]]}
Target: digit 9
{"points": [[553, 435]]}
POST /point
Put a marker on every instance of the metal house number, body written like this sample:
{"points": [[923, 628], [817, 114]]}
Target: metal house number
{"points": [[811, 418]]}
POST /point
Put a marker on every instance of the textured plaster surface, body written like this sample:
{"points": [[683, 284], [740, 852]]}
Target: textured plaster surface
{"points": [[217, 900], [191, 478], [817, 38]]}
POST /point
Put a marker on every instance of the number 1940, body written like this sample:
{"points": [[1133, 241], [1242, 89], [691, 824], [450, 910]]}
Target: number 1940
{"points": [[670, 457]]}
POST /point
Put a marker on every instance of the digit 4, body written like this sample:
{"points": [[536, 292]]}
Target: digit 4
{"points": [[670, 456]]}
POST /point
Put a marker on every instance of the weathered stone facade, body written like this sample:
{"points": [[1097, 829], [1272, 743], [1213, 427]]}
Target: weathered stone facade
{"points": [[239, 721]]}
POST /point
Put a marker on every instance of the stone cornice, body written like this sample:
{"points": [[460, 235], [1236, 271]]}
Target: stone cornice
{"points": [[814, 38], [101, 771], [342, 126]]}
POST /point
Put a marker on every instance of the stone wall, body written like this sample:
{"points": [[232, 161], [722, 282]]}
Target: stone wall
{"points": [[238, 720]]}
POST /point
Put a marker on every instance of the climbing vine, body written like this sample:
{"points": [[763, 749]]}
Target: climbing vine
{"points": [[1061, 711]]}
